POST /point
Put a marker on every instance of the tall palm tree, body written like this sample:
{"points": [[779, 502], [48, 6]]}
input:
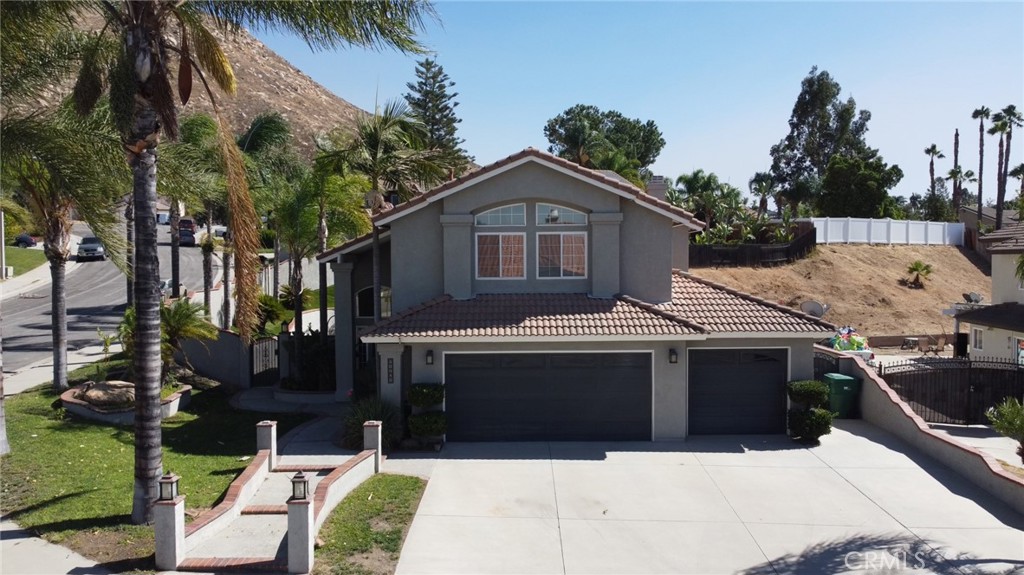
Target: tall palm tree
{"points": [[1018, 173], [981, 114], [701, 192], [999, 126], [389, 148], [1013, 118], [932, 152], [762, 186], [138, 77]]}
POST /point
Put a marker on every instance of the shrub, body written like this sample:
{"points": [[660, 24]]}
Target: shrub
{"points": [[270, 310], [428, 424], [426, 394], [808, 393], [287, 297], [372, 409], [1008, 419], [811, 424]]}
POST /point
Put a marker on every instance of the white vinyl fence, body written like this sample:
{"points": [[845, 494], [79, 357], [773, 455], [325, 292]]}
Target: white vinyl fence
{"points": [[869, 231]]}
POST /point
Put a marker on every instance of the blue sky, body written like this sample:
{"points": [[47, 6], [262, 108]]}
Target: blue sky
{"points": [[719, 79]]}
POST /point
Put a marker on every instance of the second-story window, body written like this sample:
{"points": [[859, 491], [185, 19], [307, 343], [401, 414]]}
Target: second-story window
{"points": [[510, 215], [562, 255], [553, 215], [501, 256]]}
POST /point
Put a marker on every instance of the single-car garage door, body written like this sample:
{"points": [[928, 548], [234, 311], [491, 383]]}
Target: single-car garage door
{"points": [[734, 391], [548, 396]]}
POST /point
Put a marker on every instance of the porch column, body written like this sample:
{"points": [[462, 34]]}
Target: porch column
{"points": [[344, 331]]}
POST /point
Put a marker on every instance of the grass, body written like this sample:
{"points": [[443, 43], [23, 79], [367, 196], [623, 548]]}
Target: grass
{"points": [[314, 296], [70, 481], [364, 534], [24, 259]]}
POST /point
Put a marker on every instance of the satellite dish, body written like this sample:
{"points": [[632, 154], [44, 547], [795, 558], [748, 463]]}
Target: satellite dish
{"points": [[811, 307], [976, 297]]}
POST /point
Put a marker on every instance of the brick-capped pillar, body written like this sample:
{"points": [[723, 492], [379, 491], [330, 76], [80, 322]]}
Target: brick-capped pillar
{"points": [[372, 440], [266, 438], [300, 535], [169, 532]]}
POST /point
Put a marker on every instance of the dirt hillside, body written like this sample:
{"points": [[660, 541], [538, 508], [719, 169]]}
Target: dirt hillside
{"points": [[861, 283]]}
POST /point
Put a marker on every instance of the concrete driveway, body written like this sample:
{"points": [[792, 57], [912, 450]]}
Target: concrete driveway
{"points": [[861, 502]]}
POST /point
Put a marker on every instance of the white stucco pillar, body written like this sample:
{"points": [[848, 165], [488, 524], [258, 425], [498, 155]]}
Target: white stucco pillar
{"points": [[390, 382], [169, 533], [266, 438], [300, 535]]}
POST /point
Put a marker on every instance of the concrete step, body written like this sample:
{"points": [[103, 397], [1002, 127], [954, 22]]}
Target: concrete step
{"points": [[234, 565]]}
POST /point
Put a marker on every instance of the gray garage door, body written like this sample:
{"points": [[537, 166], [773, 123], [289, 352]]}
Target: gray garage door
{"points": [[555, 396], [735, 391]]}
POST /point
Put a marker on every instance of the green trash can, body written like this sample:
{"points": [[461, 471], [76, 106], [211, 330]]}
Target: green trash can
{"points": [[843, 395]]}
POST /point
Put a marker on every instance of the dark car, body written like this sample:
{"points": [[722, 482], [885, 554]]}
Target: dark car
{"points": [[91, 249], [24, 240], [187, 224], [186, 238]]}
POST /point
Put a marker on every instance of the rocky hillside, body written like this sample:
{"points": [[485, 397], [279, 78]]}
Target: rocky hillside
{"points": [[862, 284], [266, 82]]}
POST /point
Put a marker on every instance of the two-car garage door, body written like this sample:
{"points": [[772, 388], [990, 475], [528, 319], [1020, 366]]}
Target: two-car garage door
{"points": [[548, 396]]}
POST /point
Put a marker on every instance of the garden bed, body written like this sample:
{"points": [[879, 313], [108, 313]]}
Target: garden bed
{"points": [[169, 406]]}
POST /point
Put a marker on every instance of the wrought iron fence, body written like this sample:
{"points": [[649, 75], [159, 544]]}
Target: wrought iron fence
{"points": [[824, 363], [264, 362], [752, 255], [957, 391]]}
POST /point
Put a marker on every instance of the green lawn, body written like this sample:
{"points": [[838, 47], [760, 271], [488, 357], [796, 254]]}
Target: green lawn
{"points": [[314, 296], [24, 259], [70, 481], [365, 532]]}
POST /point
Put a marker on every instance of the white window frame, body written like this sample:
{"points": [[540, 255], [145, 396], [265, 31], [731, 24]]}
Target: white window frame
{"points": [[383, 299], [538, 217], [586, 256], [476, 256], [476, 221], [977, 338]]}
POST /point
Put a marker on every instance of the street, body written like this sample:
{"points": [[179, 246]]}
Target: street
{"points": [[95, 299]]}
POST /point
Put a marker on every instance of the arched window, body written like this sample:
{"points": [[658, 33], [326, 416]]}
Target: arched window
{"points": [[552, 215], [364, 302], [510, 215]]}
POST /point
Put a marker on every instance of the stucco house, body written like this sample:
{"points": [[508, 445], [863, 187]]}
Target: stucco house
{"points": [[997, 330], [554, 302]]}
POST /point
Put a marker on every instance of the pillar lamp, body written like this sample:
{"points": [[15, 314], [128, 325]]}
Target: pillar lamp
{"points": [[300, 486], [168, 487]]}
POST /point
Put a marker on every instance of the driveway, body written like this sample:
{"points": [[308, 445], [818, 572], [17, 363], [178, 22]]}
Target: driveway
{"points": [[860, 502]]}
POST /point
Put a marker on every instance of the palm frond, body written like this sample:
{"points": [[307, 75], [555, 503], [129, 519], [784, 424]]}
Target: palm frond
{"points": [[206, 50]]}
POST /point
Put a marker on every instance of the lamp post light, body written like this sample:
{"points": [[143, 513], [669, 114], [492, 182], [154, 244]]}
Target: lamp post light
{"points": [[168, 487], [300, 486]]}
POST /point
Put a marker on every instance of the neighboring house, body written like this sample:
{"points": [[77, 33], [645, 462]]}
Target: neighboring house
{"points": [[997, 330], [553, 303], [969, 217]]}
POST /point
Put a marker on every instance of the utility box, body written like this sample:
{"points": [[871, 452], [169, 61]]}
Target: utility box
{"points": [[843, 395]]}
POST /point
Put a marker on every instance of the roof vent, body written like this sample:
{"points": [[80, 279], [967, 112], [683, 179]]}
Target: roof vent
{"points": [[817, 309]]}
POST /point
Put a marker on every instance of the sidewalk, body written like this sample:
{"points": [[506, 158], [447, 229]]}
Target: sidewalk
{"points": [[38, 277]]}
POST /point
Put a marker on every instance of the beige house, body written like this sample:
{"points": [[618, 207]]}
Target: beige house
{"points": [[554, 303], [997, 330]]}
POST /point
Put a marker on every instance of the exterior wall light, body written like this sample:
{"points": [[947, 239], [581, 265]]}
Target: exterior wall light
{"points": [[673, 356], [168, 487], [300, 486], [430, 357]]}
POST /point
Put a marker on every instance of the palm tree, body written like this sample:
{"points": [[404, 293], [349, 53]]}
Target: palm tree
{"points": [[180, 321], [700, 191], [583, 143], [762, 186], [981, 114], [932, 152], [138, 79], [389, 148], [615, 160], [1013, 118], [999, 126], [919, 270]]}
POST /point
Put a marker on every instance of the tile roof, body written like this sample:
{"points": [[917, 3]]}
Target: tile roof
{"points": [[698, 307], [724, 309], [1008, 240], [614, 181], [1009, 316]]}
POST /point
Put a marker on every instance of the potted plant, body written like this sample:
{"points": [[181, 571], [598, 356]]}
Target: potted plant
{"points": [[808, 419]]}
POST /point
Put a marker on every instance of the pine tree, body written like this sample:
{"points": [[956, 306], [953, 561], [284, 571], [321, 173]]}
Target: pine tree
{"points": [[432, 104]]}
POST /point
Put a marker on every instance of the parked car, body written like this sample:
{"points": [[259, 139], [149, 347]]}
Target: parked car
{"points": [[187, 224], [186, 238], [24, 240], [91, 249]]}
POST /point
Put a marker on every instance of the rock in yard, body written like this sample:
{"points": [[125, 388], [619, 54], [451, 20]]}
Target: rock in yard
{"points": [[107, 393]]}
